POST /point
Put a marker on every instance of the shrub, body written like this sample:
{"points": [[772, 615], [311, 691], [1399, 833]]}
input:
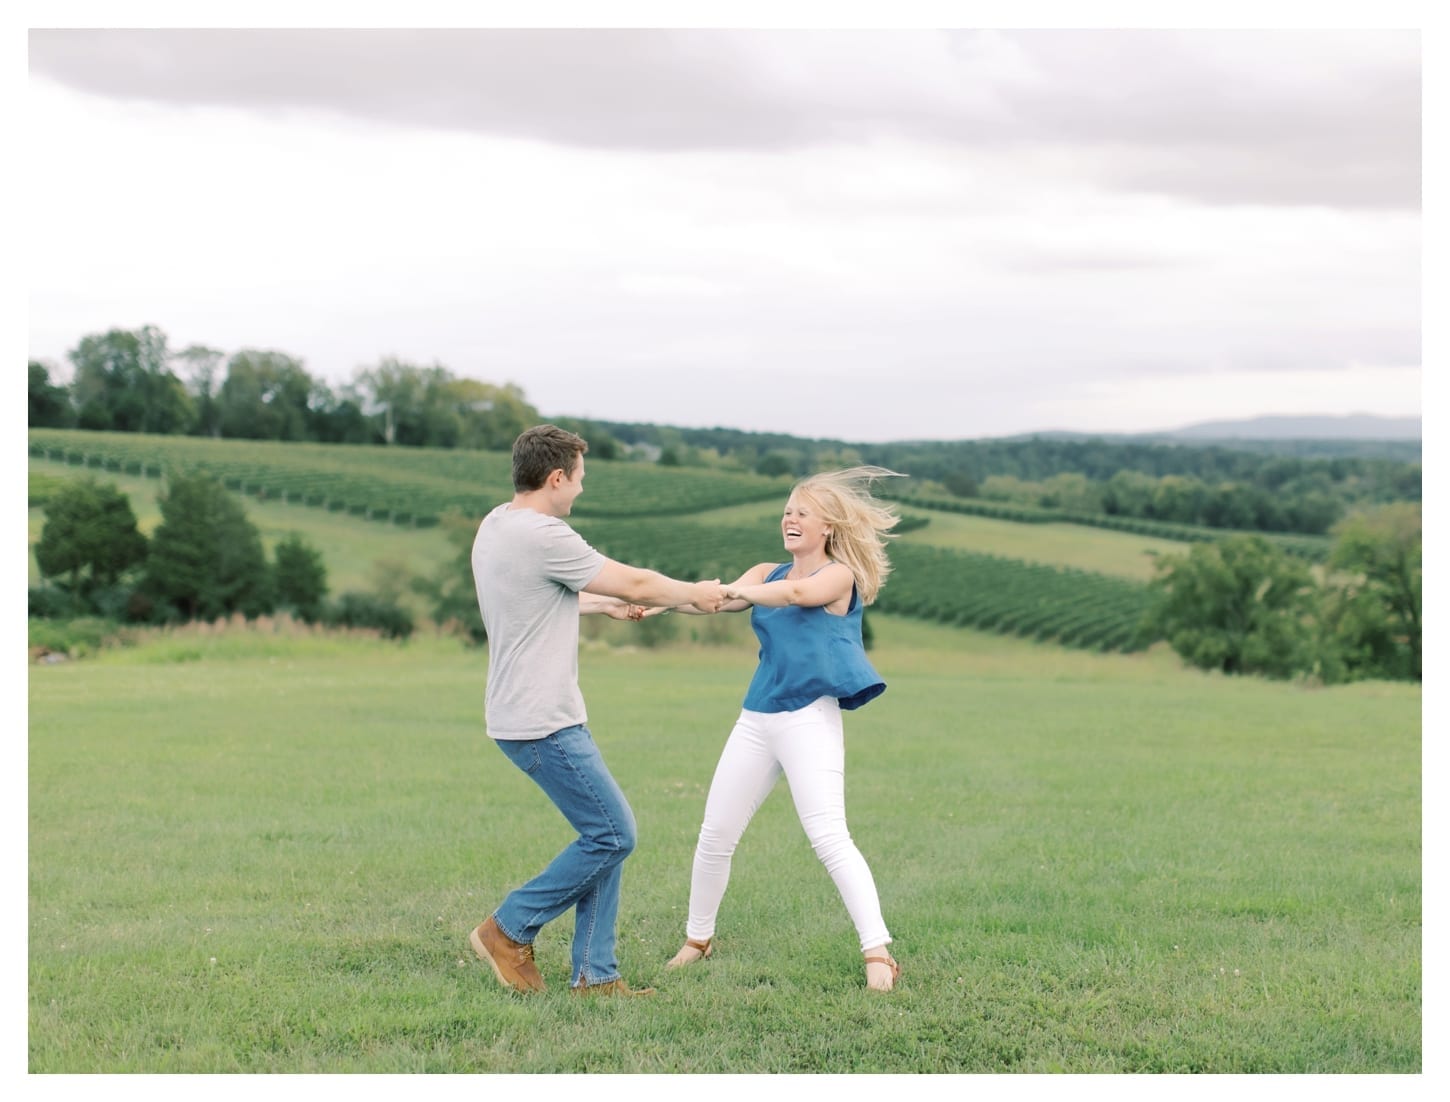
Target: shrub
{"points": [[300, 577], [49, 602], [366, 610]]}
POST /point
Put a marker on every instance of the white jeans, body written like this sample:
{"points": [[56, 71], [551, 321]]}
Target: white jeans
{"points": [[808, 745]]}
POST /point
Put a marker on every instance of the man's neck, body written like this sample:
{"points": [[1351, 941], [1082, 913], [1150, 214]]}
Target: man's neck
{"points": [[537, 500]]}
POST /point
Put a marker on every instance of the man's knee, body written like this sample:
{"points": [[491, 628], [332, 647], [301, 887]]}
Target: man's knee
{"points": [[618, 841], [625, 839]]}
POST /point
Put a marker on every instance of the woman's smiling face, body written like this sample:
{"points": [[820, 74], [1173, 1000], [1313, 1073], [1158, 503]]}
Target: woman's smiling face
{"points": [[802, 527]]}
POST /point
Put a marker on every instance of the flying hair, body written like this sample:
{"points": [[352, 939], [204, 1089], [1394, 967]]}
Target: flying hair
{"points": [[860, 525]]}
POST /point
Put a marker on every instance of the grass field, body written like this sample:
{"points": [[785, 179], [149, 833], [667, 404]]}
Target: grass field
{"points": [[259, 851]]}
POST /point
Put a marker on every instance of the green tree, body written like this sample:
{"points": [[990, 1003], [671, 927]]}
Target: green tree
{"points": [[122, 383], [1179, 499], [299, 576], [1227, 506], [90, 537], [1006, 487], [338, 418], [774, 464], [491, 417], [602, 443], [411, 404], [1129, 494], [1239, 605], [202, 365], [49, 403], [961, 484], [1376, 591], [1073, 492], [266, 396], [206, 558]]}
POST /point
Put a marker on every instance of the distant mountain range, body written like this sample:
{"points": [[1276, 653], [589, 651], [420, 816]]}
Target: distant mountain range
{"points": [[1354, 426]]}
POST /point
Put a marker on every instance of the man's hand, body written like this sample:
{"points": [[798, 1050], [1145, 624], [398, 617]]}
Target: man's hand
{"points": [[709, 595]]}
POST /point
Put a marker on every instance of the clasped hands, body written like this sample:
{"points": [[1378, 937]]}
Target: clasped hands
{"points": [[710, 596], [718, 596]]}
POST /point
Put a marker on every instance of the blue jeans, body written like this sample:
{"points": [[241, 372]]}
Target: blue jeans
{"points": [[586, 873]]}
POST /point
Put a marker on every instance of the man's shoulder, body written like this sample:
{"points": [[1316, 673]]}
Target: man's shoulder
{"points": [[528, 526], [505, 516]]}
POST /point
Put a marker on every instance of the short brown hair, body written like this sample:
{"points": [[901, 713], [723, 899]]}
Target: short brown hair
{"points": [[542, 449]]}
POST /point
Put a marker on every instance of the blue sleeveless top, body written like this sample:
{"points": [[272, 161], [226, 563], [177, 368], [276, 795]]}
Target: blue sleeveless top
{"points": [[807, 653]]}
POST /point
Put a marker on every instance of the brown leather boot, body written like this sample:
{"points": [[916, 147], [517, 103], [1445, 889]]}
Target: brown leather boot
{"points": [[512, 961], [611, 987]]}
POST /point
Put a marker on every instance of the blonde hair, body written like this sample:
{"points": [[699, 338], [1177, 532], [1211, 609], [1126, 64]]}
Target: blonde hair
{"points": [[859, 524]]}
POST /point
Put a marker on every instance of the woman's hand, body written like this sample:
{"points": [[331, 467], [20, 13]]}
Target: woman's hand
{"points": [[626, 611]]}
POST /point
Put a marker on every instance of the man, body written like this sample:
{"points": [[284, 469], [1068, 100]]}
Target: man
{"points": [[535, 575]]}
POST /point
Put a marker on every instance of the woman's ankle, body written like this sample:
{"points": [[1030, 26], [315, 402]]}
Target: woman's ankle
{"points": [[882, 971]]}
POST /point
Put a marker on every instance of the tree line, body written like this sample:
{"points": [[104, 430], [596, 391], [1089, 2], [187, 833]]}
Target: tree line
{"points": [[1214, 486], [132, 381]]}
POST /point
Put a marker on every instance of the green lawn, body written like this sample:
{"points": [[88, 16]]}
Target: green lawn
{"points": [[257, 851], [1122, 554]]}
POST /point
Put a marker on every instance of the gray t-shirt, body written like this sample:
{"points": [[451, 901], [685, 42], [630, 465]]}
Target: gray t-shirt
{"points": [[528, 569]]}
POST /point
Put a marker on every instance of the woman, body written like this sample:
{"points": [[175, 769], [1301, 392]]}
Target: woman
{"points": [[807, 615]]}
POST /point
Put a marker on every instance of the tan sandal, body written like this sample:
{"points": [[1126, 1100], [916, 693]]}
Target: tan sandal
{"points": [[890, 962], [704, 948]]}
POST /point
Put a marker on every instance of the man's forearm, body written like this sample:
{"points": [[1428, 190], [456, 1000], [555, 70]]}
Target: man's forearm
{"points": [[640, 586]]}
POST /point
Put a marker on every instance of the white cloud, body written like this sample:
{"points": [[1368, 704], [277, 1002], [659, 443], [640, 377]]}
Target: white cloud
{"points": [[825, 238]]}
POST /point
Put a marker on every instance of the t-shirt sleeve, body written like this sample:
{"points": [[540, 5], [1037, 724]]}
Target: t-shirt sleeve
{"points": [[568, 559]]}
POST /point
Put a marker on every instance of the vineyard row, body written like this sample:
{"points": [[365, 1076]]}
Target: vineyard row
{"points": [[406, 486]]}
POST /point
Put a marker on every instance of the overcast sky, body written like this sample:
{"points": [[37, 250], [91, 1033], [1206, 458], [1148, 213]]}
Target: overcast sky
{"points": [[861, 235]]}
